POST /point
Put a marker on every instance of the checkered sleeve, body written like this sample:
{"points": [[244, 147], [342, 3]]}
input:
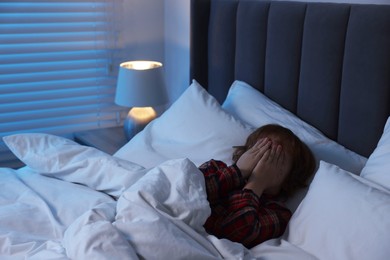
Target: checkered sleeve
{"points": [[248, 219], [221, 179]]}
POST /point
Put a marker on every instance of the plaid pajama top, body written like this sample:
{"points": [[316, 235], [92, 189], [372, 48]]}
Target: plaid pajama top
{"points": [[239, 214]]}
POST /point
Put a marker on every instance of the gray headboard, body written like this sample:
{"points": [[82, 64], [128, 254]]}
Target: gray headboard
{"points": [[327, 63]]}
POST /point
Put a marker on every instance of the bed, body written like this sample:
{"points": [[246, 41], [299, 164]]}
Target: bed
{"points": [[320, 69]]}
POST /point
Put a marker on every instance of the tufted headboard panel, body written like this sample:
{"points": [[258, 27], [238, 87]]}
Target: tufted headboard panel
{"points": [[327, 63]]}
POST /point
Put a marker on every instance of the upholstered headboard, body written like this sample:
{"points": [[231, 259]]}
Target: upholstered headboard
{"points": [[327, 63]]}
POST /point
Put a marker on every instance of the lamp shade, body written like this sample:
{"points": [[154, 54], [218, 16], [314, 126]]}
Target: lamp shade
{"points": [[140, 84]]}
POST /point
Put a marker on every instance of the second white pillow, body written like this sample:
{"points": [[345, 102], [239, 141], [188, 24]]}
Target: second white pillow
{"points": [[377, 168], [343, 216], [255, 109]]}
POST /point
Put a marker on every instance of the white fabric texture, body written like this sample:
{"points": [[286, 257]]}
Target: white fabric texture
{"points": [[281, 249], [67, 160], [195, 127], [156, 218], [163, 214], [92, 236], [36, 210], [342, 217], [255, 109], [377, 168]]}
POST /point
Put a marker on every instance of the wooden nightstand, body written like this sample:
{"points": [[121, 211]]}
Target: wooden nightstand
{"points": [[108, 140]]}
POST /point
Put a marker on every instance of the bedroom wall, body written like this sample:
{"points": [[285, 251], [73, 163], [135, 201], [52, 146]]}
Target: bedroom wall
{"points": [[143, 26], [177, 56]]}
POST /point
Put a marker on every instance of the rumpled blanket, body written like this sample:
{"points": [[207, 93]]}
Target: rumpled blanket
{"points": [[159, 215]]}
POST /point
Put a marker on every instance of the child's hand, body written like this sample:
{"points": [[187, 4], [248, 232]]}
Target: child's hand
{"points": [[248, 160], [271, 170]]}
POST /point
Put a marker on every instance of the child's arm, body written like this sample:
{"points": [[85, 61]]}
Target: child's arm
{"points": [[249, 219], [221, 179]]}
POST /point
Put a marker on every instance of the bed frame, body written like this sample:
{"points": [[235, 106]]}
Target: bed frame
{"points": [[327, 63]]}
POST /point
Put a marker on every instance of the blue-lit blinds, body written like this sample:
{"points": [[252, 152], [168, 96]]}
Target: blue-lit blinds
{"points": [[57, 65]]}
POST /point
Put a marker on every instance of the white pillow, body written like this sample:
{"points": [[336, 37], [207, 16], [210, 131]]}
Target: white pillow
{"points": [[377, 168], [195, 127], [254, 108], [342, 217], [64, 159]]}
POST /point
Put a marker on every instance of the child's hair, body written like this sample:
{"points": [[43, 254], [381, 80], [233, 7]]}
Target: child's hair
{"points": [[303, 162]]}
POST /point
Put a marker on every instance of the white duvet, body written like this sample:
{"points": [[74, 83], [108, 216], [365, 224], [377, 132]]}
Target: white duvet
{"points": [[158, 216]]}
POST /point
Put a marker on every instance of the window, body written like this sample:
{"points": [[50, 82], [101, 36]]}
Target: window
{"points": [[58, 65]]}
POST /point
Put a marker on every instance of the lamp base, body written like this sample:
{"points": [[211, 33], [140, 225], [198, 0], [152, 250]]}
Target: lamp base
{"points": [[137, 119]]}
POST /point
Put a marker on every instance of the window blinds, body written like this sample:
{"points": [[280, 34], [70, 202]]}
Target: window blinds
{"points": [[58, 65]]}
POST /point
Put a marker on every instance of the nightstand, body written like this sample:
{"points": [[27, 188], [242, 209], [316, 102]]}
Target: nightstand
{"points": [[108, 140]]}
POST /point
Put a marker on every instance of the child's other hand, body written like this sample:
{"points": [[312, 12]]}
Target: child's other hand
{"points": [[271, 170]]}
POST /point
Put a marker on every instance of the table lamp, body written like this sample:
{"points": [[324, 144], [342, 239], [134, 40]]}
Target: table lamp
{"points": [[140, 86]]}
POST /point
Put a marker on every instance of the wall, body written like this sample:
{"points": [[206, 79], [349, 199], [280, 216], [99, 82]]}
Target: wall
{"points": [[143, 24], [177, 35]]}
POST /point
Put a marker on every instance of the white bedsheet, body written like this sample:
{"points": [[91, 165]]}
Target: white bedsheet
{"points": [[159, 216]]}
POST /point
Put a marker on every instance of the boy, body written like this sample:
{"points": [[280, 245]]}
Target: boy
{"points": [[245, 198]]}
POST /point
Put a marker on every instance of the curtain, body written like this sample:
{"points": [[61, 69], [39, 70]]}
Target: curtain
{"points": [[58, 66]]}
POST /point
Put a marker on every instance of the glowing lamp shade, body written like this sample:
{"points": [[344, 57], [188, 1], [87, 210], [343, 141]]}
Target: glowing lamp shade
{"points": [[140, 86]]}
